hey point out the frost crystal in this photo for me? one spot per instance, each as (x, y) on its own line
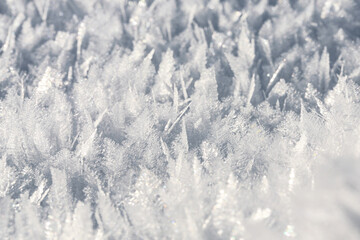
(192, 119)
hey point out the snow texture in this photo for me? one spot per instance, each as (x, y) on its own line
(180, 119)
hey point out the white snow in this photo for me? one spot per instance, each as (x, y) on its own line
(191, 119)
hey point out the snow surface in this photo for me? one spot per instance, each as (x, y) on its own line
(180, 119)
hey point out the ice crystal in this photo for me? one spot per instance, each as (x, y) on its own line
(155, 119)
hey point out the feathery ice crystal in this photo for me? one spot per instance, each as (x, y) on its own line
(191, 119)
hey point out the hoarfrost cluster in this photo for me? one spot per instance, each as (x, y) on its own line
(179, 119)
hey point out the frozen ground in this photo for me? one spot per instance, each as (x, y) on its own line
(180, 119)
